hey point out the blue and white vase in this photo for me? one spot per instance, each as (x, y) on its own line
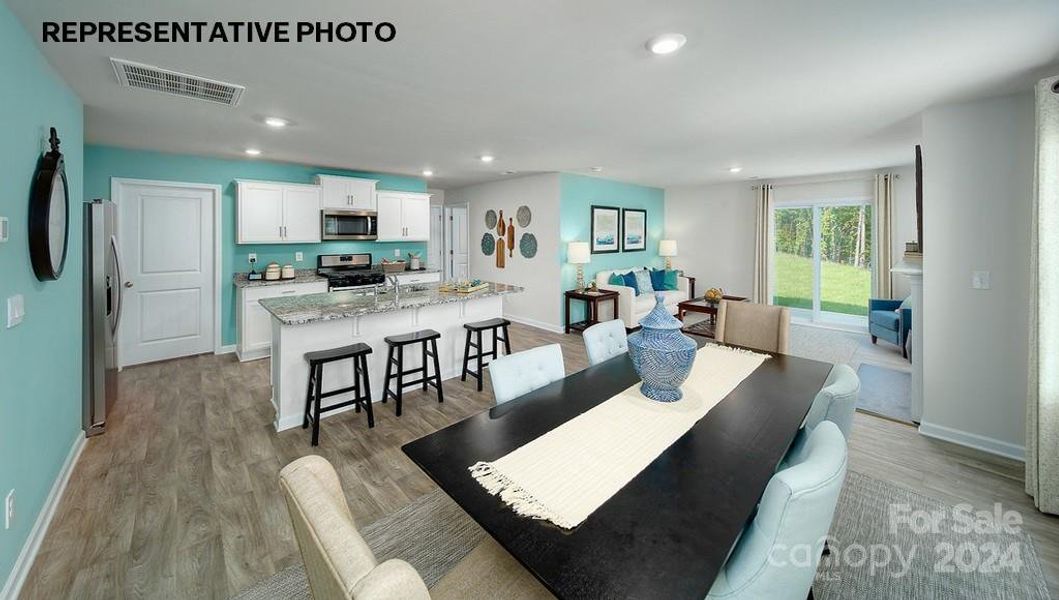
(661, 354)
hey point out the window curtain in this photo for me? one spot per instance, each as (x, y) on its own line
(1042, 406)
(763, 244)
(882, 253)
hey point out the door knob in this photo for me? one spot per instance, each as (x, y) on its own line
(128, 284)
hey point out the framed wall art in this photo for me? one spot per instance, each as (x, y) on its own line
(633, 230)
(605, 229)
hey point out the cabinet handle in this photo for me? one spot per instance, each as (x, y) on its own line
(280, 231)
(289, 292)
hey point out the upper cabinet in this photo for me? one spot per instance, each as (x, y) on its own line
(350, 193)
(403, 216)
(277, 213)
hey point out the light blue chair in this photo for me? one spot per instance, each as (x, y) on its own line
(606, 340)
(778, 553)
(836, 401)
(522, 372)
(890, 320)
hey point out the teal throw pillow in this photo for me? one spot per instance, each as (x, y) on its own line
(630, 281)
(671, 282)
(616, 279)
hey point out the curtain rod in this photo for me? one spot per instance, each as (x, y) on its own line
(840, 180)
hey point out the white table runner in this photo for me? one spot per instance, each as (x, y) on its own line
(569, 472)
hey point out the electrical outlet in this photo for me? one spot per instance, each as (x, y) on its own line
(4, 230)
(9, 509)
(980, 280)
(298, 257)
(252, 257)
(397, 253)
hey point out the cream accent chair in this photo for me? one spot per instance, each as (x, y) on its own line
(632, 308)
(758, 326)
(341, 566)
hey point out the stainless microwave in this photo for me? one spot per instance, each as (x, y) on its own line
(340, 224)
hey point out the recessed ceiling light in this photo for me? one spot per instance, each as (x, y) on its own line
(734, 169)
(597, 169)
(428, 173)
(487, 158)
(252, 151)
(276, 122)
(667, 43)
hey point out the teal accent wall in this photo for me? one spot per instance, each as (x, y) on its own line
(40, 359)
(577, 194)
(104, 162)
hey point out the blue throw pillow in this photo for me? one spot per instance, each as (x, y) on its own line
(643, 281)
(616, 279)
(630, 280)
(671, 282)
(658, 279)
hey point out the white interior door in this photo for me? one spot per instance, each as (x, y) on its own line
(456, 241)
(166, 234)
(435, 249)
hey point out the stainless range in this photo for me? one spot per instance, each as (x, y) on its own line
(349, 272)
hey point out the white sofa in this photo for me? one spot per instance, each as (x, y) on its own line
(632, 308)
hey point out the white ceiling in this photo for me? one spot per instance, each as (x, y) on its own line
(779, 87)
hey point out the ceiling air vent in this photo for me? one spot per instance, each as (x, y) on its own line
(137, 75)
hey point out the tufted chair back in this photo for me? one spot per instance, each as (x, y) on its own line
(836, 401)
(522, 372)
(605, 340)
(778, 553)
(339, 564)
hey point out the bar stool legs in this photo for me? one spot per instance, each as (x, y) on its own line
(476, 329)
(361, 387)
(395, 367)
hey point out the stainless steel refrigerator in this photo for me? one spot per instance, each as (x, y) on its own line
(102, 313)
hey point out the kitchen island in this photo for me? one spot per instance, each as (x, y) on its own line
(311, 322)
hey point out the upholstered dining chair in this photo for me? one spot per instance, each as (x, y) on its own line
(758, 326)
(605, 340)
(341, 566)
(779, 550)
(522, 372)
(836, 401)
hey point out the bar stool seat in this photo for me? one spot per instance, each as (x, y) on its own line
(428, 342)
(361, 387)
(476, 329)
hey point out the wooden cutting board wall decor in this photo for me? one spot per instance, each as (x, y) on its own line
(510, 238)
(500, 243)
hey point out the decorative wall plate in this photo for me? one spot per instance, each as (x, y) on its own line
(488, 244)
(524, 216)
(490, 219)
(527, 246)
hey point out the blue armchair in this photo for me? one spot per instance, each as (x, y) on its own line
(890, 320)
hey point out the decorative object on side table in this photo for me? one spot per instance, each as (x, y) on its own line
(714, 295)
(578, 253)
(668, 249)
(661, 354)
(633, 230)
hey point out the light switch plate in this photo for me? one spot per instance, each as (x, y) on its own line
(298, 257)
(980, 280)
(4, 229)
(9, 509)
(16, 309)
(397, 252)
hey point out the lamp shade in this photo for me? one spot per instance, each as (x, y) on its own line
(578, 253)
(667, 248)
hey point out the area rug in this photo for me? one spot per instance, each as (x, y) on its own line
(886, 392)
(433, 534)
(883, 545)
(820, 343)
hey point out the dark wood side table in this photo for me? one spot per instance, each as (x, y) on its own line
(706, 327)
(592, 300)
(691, 286)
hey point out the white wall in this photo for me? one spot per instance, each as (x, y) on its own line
(538, 305)
(714, 224)
(978, 174)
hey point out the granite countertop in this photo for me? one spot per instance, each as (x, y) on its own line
(300, 276)
(310, 308)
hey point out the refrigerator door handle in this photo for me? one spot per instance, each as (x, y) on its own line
(120, 296)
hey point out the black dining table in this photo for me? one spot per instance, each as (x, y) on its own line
(668, 532)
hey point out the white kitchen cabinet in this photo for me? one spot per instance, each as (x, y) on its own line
(277, 213)
(352, 193)
(255, 323)
(403, 216)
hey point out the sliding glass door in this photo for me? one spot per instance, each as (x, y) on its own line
(822, 260)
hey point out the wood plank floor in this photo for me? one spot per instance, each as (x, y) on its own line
(179, 499)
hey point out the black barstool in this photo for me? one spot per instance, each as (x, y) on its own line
(477, 328)
(361, 387)
(425, 338)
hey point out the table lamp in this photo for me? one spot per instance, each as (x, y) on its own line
(668, 249)
(578, 253)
